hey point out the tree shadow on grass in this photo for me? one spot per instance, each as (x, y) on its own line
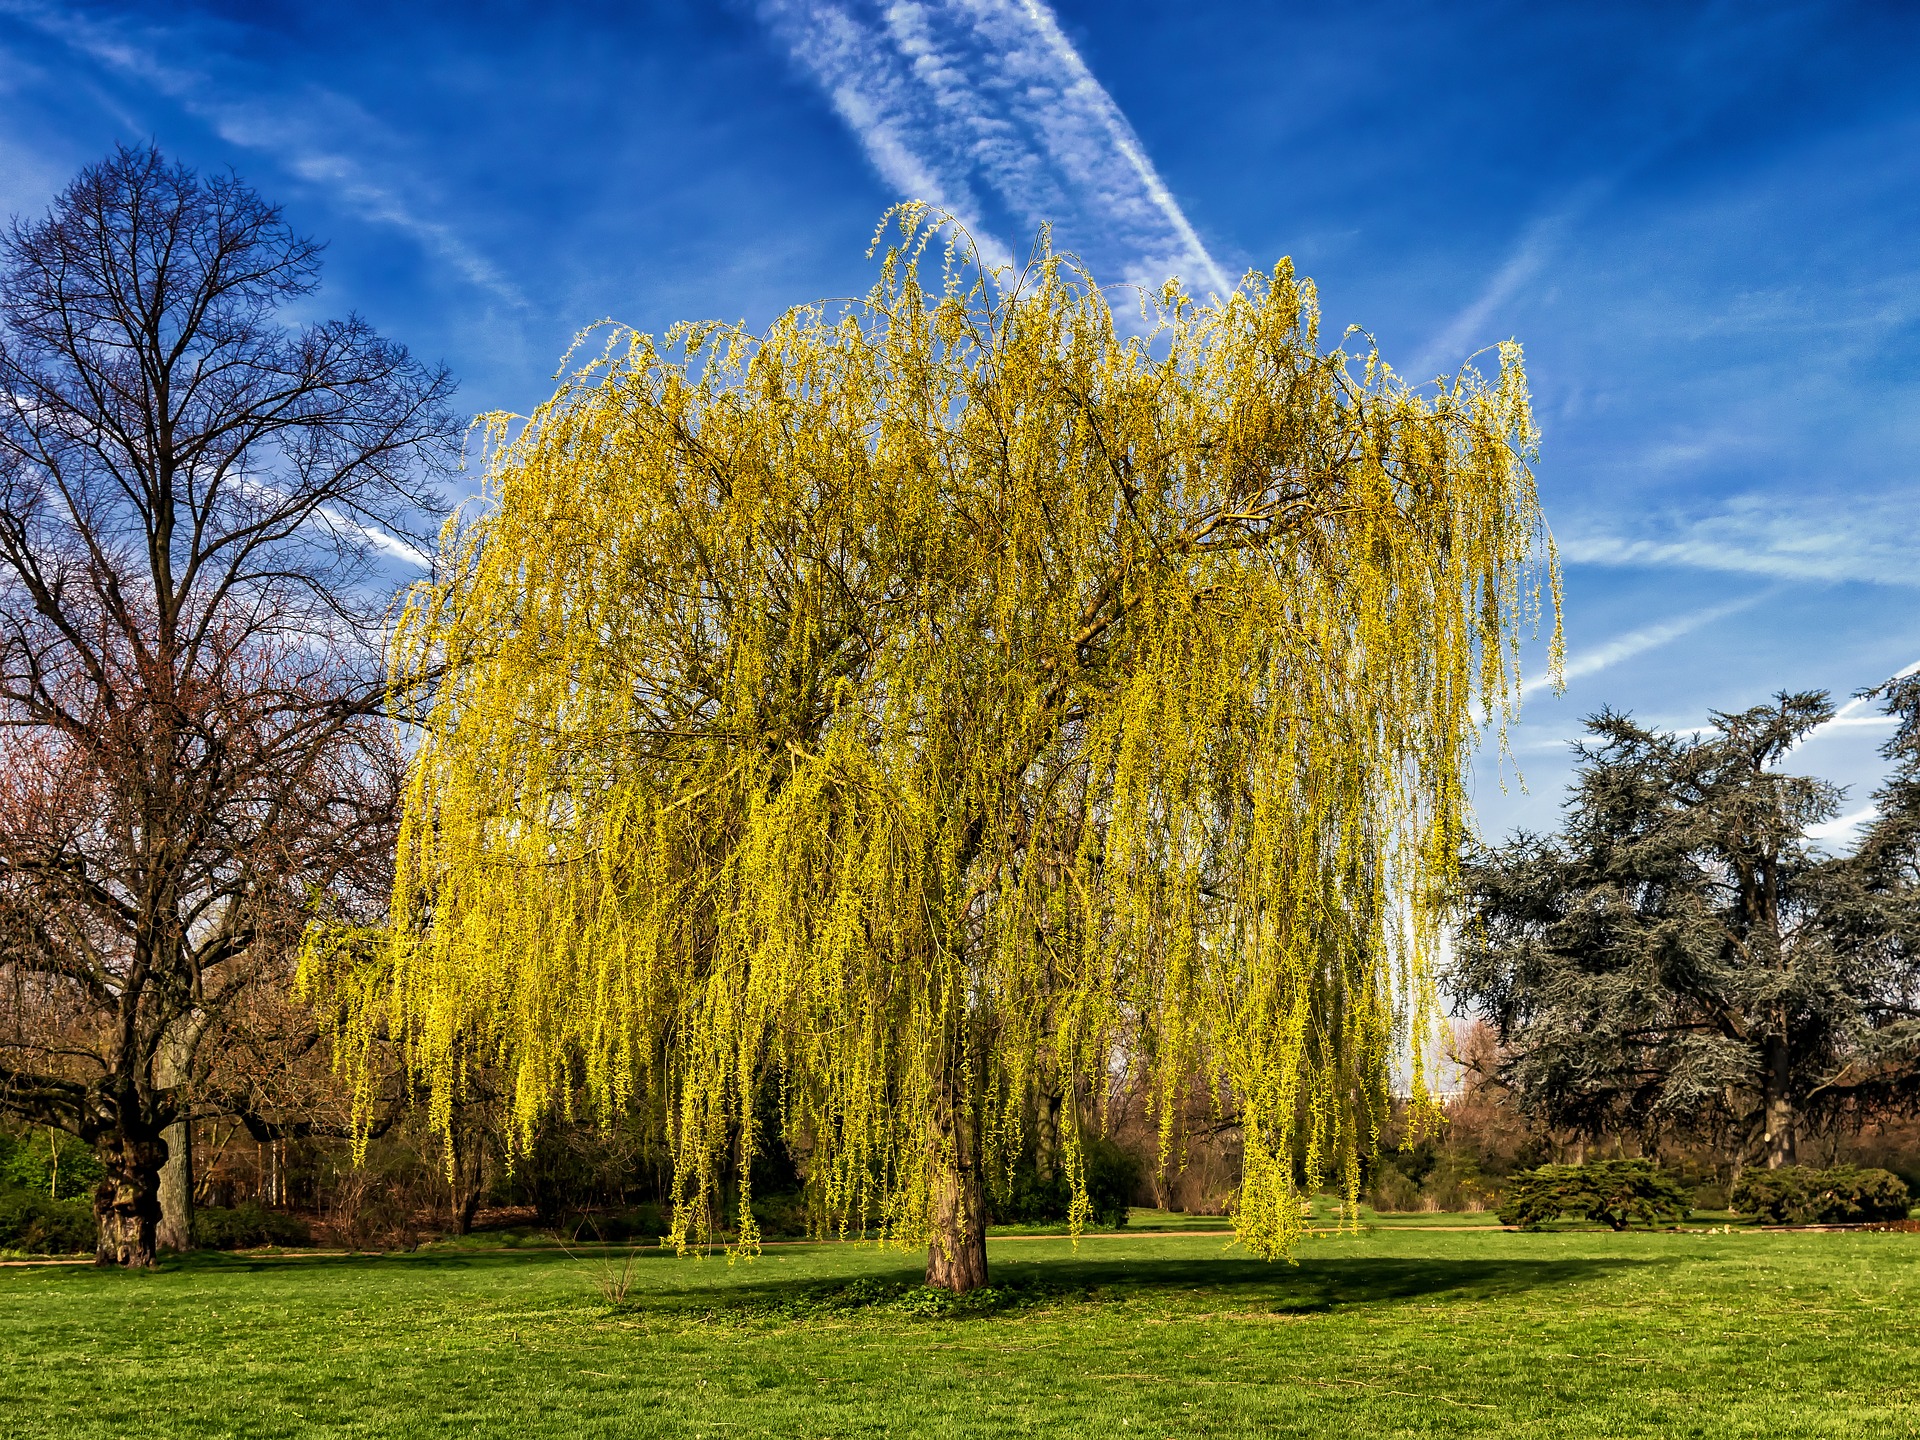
(237, 1261)
(1315, 1286)
(761, 1293)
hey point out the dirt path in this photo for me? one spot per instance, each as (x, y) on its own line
(556, 1251)
(596, 1247)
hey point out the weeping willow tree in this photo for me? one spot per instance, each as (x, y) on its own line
(849, 727)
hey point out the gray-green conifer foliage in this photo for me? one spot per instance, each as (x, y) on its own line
(1682, 960)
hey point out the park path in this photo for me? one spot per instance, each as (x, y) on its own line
(992, 1239)
(764, 1245)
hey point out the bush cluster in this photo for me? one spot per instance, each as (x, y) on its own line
(245, 1226)
(1033, 1198)
(38, 1224)
(1614, 1192)
(1802, 1195)
(46, 1162)
(645, 1223)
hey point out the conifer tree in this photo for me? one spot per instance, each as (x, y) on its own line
(1682, 959)
(943, 690)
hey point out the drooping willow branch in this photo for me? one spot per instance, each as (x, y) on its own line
(947, 691)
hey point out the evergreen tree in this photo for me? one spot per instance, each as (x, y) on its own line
(1681, 959)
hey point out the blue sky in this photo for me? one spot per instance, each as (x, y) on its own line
(1700, 220)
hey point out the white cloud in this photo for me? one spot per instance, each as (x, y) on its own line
(1858, 537)
(317, 135)
(1469, 330)
(1843, 826)
(967, 103)
(1848, 716)
(384, 541)
(1650, 637)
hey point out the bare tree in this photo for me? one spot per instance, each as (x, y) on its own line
(195, 498)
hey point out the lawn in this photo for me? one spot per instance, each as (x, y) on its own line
(1387, 1333)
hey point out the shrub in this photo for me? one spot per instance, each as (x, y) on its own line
(647, 1223)
(1113, 1174)
(1801, 1195)
(246, 1226)
(1778, 1197)
(573, 1169)
(1391, 1189)
(49, 1163)
(1031, 1198)
(1615, 1192)
(1427, 1177)
(42, 1225)
(782, 1215)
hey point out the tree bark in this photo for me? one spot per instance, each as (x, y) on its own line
(1046, 1136)
(1778, 1137)
(466, 1207)
(126, 1204)
(176, 1176)
(957, 1207)
(175, 1231)
(957, 1248)
(467, 1175)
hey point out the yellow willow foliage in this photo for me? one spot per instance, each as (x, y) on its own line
(947, 695)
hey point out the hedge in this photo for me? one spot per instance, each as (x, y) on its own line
(1614, 1192)
(1802, 1195)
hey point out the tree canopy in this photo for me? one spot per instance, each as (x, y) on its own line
(943, 690)
(1684, 959)
(191, 677)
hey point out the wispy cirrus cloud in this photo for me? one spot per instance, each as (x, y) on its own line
(320, 136)
(985, 109)
(1849, 715)
(1869, 538)
(1844, 827)
(1468, 330)
(1539, 241)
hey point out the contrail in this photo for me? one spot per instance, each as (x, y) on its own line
(1650, 637)
(985, 109)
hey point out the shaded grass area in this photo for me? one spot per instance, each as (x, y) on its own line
(1380, 1334)
(1323, 1214)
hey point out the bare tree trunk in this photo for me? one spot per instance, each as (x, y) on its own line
(957, 1213)
(1778, 1136)
(175, 1230)
(126, 1204)
(176, 1176)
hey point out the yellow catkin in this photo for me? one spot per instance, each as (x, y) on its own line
(946, 694)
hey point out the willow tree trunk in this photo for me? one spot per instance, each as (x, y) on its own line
(1046, 1130)
(957, 1249)
(957, 1212)
(466, 1176)
(126, 1203)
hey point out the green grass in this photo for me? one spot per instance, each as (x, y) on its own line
(1388, 1333)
